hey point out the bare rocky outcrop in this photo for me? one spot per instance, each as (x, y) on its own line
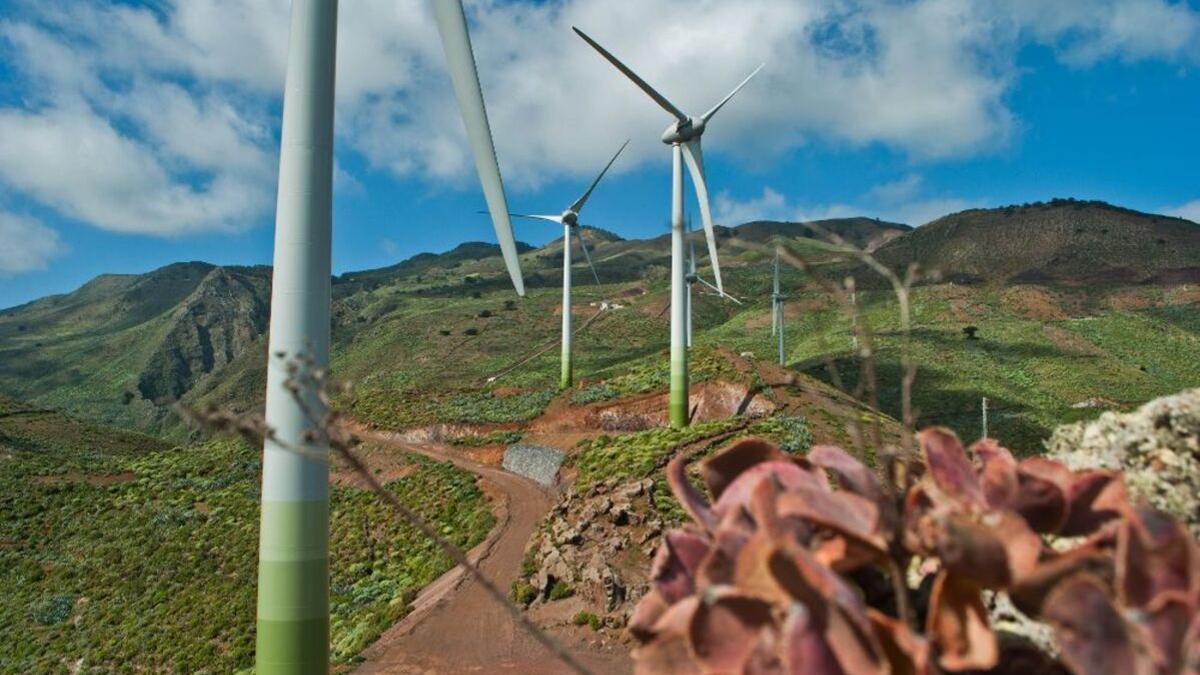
(1157, 447)
(716, 400)
(225, 313)
(596, 546)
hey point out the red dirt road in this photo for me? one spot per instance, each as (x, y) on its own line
(456, 627)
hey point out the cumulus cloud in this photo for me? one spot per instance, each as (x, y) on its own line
(26, 245)
(79, 164)
(901, 201)
(176, 105)
(1189, 211)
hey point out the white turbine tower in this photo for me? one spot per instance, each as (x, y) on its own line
(569, 219)
(683, 135)
(293, 575)
(777, 299)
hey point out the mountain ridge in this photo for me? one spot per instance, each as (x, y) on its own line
(132, 345)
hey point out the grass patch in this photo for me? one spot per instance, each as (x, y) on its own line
(391, 409)
(494, 438)
(790, 433)
(637, 455)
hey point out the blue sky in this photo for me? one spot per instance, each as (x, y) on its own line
(134, 135)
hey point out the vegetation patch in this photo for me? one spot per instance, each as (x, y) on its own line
(499, 437)
(390, 409)
(588, 619)
(639, 454)
(160, 573)
(791, 433)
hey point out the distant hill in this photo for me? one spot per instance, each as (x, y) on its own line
(1064, 241)
(867, 233)
(122, 346)
(465, 252)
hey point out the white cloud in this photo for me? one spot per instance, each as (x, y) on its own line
(770, 205)
(1189, 211)
(897, 190)
(26, 245)
(82, 166)
(1086, 32)
(900, 201)
(179, 102)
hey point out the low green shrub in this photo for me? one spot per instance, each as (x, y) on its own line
(790, 432)
(561, 590)
(588, 619)
(594, 394)
(522, 592)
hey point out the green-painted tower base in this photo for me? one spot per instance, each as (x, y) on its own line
(679, 395)
(565, 380)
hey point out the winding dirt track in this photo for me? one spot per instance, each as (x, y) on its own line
(455, 626)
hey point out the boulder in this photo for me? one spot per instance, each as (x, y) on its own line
(536, 462)
(1157, 447)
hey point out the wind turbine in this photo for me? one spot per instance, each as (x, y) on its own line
(293, 571)
(569, 219)
(683, 135)
(777, 299)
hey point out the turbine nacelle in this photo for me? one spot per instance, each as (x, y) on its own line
(570, 218)
(682, 132)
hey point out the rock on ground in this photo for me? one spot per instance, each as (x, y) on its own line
(1157, 447)
(536, 462)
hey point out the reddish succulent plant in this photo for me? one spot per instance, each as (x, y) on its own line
(797, 565)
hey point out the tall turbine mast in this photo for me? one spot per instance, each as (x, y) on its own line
(683, 135)
(293, 574)
(777, 302)
(293, 567)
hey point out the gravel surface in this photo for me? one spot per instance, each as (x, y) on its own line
(536, 462)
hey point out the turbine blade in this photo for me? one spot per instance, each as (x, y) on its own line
(713, 111)
(695, 161)
(552, 219)
(642, 84)
(691, 257)
(721, 293)
(774, 314)
(586, 255)
(460, 62)
(578, 205)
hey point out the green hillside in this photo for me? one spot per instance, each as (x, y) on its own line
(421, 339)
(120, 553)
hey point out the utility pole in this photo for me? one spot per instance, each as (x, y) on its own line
(854, 318)
(984, 408)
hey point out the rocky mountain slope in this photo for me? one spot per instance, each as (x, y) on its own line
(123, 347)
(1062, 241)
